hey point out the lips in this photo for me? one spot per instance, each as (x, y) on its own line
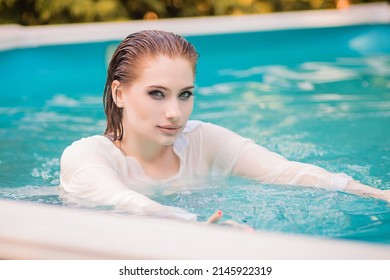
(169, 129)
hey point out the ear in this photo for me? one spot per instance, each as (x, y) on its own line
(117, 95)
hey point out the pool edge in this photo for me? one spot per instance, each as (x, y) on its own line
(16, 36)
(53, 232)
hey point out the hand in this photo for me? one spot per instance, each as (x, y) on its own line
(385, 195)
(215, 217)
(358, 188)
(218, 215)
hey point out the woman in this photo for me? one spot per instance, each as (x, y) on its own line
(149, 140)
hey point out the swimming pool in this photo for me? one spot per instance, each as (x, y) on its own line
(319, 95)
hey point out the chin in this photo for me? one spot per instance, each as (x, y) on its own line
(168, 141)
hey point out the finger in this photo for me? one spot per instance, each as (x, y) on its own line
(215, 217)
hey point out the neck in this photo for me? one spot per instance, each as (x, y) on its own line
(143, 150)
(157, 161)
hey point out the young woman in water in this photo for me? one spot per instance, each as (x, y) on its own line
(149, 140)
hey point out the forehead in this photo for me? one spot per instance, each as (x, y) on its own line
(164, 67)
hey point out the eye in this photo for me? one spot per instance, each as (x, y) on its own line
(185, 95)
(156, 94)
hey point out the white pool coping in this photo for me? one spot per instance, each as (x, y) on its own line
(36, 231)
(16, 36)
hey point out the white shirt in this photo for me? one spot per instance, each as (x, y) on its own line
(93, 169)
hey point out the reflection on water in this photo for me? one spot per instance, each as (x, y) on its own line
(320, 72)
(334, 114)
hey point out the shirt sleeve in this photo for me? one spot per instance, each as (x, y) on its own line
(88, 175)
(240, 156)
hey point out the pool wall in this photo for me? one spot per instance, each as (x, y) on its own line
(36, 231)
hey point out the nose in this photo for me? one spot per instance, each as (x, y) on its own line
(173, 112)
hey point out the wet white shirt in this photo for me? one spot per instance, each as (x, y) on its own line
(93, 169)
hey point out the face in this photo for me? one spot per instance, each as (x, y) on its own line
(157, 106)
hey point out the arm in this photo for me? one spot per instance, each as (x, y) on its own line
(240, 156)
(89, 177)
(269, 167)
(100, 186)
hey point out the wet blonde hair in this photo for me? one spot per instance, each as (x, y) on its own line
(127, 61)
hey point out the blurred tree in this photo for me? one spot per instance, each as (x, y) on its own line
(32, 12)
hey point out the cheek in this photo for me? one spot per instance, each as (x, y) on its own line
(138, 109)
(188, 108)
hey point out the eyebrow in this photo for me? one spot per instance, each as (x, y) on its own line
(166, 89)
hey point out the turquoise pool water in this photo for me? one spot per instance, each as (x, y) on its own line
(320, 96)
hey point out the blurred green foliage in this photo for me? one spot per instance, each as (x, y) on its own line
(33, 12)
